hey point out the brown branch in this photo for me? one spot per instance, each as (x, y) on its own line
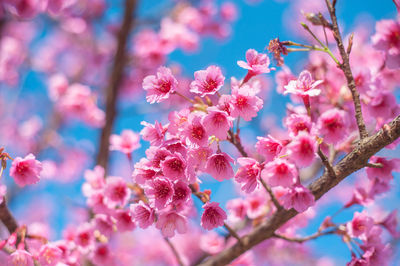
(304, 239)
(115, 82)
(326, 163)
(173, 249)
(345, 67)
(352, 162)
(237, 143)
(7, 218)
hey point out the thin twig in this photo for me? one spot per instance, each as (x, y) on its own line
(326, 163)
(7, 218)
(304, 239)
(114, 82)
(174, 250)
(374, 165)
(345, 67)
(271, 195)
(236, 142)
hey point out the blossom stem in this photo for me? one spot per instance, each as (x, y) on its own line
(271, 195)
(304, 239)
(237, 143)
(326, 163)
(325, 48)
(374, 165)
(345, 67)
(184, 97)
(174, 250)
(233, 232)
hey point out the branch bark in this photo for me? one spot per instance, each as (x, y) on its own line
(352, 162)
(345, 67)
(7, 218)
(115, 82)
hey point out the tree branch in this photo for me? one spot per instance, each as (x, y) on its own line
(352, 162)
(7, 218)
(345, 67)
(304, 239)
(271, 194)
(115, 82)
(173, 249)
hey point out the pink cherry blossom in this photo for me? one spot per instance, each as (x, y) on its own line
(229, 11)
(213, 216)
(26, 171)
(219, 166)
(161, 86)
(144, 171)
(84, 237)
(160, 192)
(153, 133)
(303, 149)
(297, 123)
(212, 243)
(248, 174)
(245, 103)
(298, 198)
(217, 123)
(384, 172)
(360, 225)
(127, 142)
(181, 193)
(390, 223)
(237, 209)
(124, 221)
(102, 255)
(104, 224)
(58, 85)
(20, 257)
(49, 255)
(195, 131)
(174, 166)
(280, 172)
(256, 64)
(269, 147)
(303, 86)
(387, 39)
(332, 125)
(171, 221)
(198, 157)
(207, 82)
(116, 192)
(142, 214)
(26, 9)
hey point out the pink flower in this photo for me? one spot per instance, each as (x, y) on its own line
(197, 157)
(58, 85)
(229, 11)
(50, 255)
(25, 9)
(298, 198)
(302, 149)
(195, 131)
(245, 103)
(116, 192)
(170, 221)
(126, 143)
(153, 133)
(385, 172)
(161, 86)
(303, 86)
(26, 171)
(124, 220)
(174, 166)
(387, 39)
(143, 171)
(217, 123)
(142, 214)
(104, 224)
(297, 123)
(268, 147)
(360, 225)
(280, 172)
(218, 166)
(390, 223)
(333, 126)
(213, 216)
(382, 104)
(20, 257)
(248, 174)
(256, 64)
(212, 243)
(102, 255)
(84, 237)
(207, 82)
(237, 208)
(160, 192)
(181, 193)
